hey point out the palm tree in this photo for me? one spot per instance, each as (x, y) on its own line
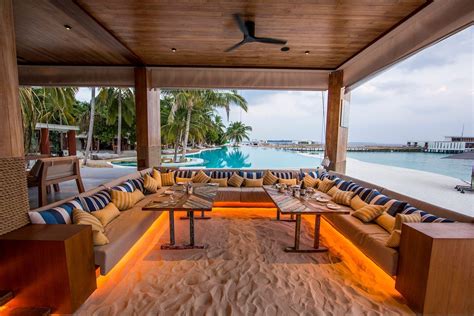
(91, 126)
(237, 132)
(193, 99)
(117, 104)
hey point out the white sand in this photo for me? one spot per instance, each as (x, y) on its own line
(426, 186)
(243, 272)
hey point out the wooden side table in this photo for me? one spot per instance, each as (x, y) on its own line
(48, 266)
(436, 267)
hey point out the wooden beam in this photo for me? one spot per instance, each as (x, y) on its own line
(336, 135)
(239, 78)
(78, 76)
(71, 142)
(95, 29)
(147, 103)
(44, 142)
(437, 21)
(14, 195)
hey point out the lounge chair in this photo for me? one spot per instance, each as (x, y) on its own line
(463, 188)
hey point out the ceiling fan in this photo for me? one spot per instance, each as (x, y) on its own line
(248, 30)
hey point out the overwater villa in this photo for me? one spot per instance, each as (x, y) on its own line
(165, 241)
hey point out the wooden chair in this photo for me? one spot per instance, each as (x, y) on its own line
(52, 171)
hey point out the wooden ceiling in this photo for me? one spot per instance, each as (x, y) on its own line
(123, 32)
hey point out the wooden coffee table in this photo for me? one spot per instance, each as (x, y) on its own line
(200, 201)
(290, 205)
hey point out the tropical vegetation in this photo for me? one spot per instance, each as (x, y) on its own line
(237, 132)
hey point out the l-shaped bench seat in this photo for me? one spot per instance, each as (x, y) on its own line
(124, 231)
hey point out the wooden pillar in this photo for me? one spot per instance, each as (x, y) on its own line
(13, 195)
(44, 141)
(71, 142)
(147, 103)
(336, 133)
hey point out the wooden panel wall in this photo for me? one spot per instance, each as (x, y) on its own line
(13, 192)
(147, 103)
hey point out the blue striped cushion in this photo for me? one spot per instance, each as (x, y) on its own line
(126, 186)
(313, 174)
(324, 175)
(184, 173)
(343, 185)
(372, 196)
(362, 192)
(251, 174)
(221, 174)
(395, 206)
(97, 201)
(283, 174)
(57, 215)
(138, 183)
(425, 217)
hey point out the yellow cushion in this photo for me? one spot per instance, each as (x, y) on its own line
(235, 180)
(386, 221)
(184, 180)
(342, 197)
(167, 179)
(325, 185)
(406, 218)
(251, 183)
(287, 181)
(99, 239)
(221, 182)
(157, 176)
(310, 182)
(150, 184)
(201, 177)
(81, 217)
(357, 203)
(332, 191)
(369, 212)
(107, 214)
(394, 240)
(125, 200)
(269, 178)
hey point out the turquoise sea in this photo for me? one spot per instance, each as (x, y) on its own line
(257, 157)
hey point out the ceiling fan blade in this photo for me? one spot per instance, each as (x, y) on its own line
(236, 46)
(241, 24)
(268, 40)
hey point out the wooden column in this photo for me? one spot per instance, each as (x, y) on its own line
(71, 142)
(13, 193)
(147, 103)
(44, 142)
(336, 135)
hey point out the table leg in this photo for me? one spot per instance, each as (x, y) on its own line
(296, 247)
(191, 229)
(199, 217)
(278, 217)
(191, 245)
(172, 242)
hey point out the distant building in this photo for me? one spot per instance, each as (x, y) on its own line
(280, 142)
(451, 144)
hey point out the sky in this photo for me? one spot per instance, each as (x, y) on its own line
(425, 97)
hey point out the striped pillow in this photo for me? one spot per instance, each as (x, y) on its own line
(288, 181)
(393, 206)
(201, 177)
(251, 174)
(342, 197)
(357, 203)
(325, 185)
(61, 214)
(269, 178)
(310, 182)
(138, 183)
(252, 183)
(235, 180)
(283, 174)
(425, 217)
(96, 202)
(323, 175)
(157, 176)
(343, 185)
(126, 186)
(394, 240)
(183, 180)
(167, 179)
(369, 212)
(184, 173)
(312, 174)
(332, 191)
(85, 218)
(125, 200)
(221, 174)
(386, 221)
(406, 218)
(150, 184)
(221, 182)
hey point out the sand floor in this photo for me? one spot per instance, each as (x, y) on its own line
(244, 271)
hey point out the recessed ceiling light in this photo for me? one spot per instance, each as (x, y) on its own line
(306, 52)
(173, 50)
(67, 27)
(285, 49)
